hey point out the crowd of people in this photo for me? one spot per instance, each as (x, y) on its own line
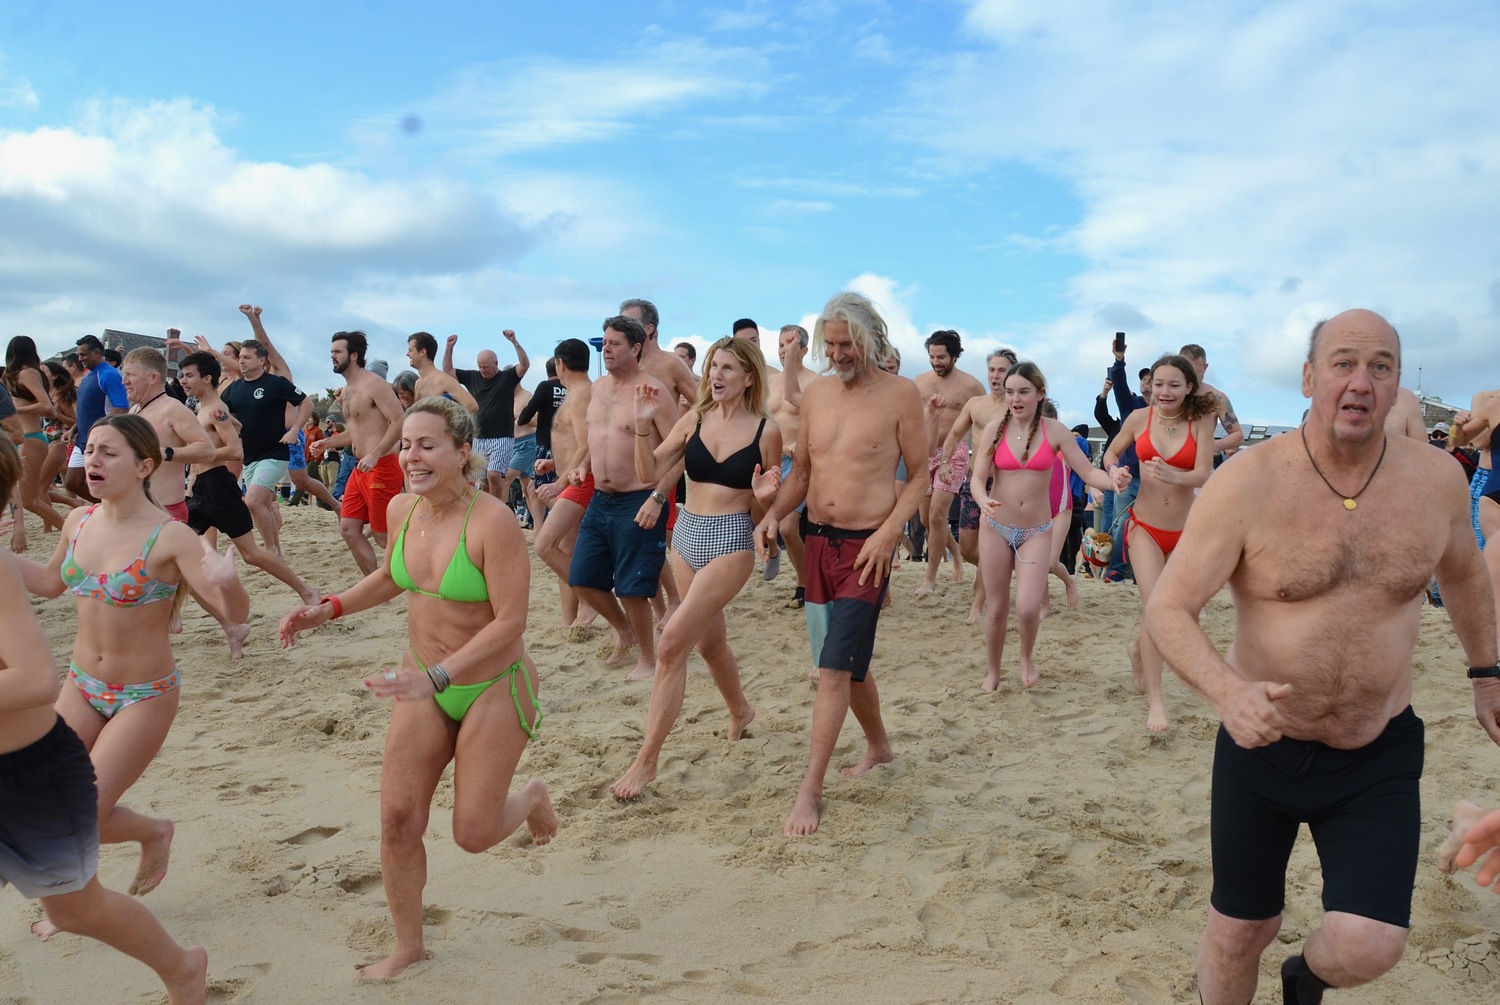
(716, 472)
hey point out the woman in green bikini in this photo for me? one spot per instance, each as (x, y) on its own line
(465, 690)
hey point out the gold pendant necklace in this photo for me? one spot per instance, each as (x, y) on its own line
(1349, 502)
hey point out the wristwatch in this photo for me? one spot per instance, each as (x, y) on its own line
(167, 453)
(1476, 672)
(660, 499)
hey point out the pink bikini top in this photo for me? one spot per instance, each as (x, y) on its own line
(1043, 459)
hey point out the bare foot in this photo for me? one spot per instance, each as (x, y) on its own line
(1465, 815)
(644, 670)
(991, 682)
(1137, 675)
(958, 571)
(976, 611)
(1156, 719)
(44, 929)
(392, 966)
(192, 988)
(738, 722)
(927, 587)
(633, 783)
(1046, 610)
(614, 653)
(804, 818)
(1071, 586)
(1029, 673)
(236, 635)
(813, 676)
(543, 820)
(871, 759)
(154, 855)
(586, 616)
(311, 597)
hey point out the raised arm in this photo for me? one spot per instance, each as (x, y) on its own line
(275, 362)
(651, 462)
(1107, 422)
(523, 362)
(448, 345)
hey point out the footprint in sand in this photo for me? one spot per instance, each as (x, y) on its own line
(311, 836)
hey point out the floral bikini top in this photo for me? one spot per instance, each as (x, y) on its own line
(125, 588)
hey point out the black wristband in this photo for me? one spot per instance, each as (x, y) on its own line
(167, 453)
(1490, 671)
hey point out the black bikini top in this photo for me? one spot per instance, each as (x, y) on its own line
(734, 471)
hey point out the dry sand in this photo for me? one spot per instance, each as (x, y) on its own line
(1023, 847)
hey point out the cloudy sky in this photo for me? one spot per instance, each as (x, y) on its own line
(1034, 175)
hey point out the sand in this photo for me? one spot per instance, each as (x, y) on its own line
(1028, 847)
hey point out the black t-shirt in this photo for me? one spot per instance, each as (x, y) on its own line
(260, 405)
(544, 404)
(497, 400)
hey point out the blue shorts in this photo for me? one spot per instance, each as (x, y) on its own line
(612, 553)
(523, 456)
(49, 826)
(786, 469)
(297, 453)
(551, 476)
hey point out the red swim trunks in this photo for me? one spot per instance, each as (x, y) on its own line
(580, 494)
(177, 511)
(367, 493)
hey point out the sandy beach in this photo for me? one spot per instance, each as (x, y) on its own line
(1028, 847)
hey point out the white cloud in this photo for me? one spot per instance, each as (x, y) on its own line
(15, 89)
(1244, 169)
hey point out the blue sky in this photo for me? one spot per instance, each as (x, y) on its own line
(1034, 175)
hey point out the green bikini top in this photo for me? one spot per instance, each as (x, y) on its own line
(462, 580)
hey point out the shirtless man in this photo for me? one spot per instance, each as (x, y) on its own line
(1406, 416)
(1327, 546)
(668, 368)
(216, 500)
(182, 440)
(372, 426)
(784, 401)
(976, 414)
(856, 424)
(945, 391)
(421, 350)
(622, 539)
(1234, 433)
(570, 445)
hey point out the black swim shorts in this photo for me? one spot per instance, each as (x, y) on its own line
(1362, 806)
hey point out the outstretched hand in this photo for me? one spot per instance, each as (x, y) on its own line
(765, 537)
(218, 569)
(765, 483)
(250, 312)
(300, 619)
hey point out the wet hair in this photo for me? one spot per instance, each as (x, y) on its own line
(254, 347)
(1030, 372)
(751, 359)
(61, 383)
(649, 314)
(866, 327)
(948, 339)
(149, 359)
(1196, 404)
(425, 342)
(801, 333)
(633, 330)
(358, 344)
(20, 355)
(692, 352)
(574, 354)
(10, 467)
(141, 437)
(207, 365)
(460, 426)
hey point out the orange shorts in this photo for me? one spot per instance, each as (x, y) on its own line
(367, 493)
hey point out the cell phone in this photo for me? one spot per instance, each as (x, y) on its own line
(1119, 341)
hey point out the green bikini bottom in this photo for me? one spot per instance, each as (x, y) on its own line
(455, 699)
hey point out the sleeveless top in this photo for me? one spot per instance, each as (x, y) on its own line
(1039, 461)
(126, 588)
(734, 471)
(462, 580)
(1185, 457)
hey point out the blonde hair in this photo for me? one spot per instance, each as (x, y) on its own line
(148, 359)
(460, 426)
(749, 356)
